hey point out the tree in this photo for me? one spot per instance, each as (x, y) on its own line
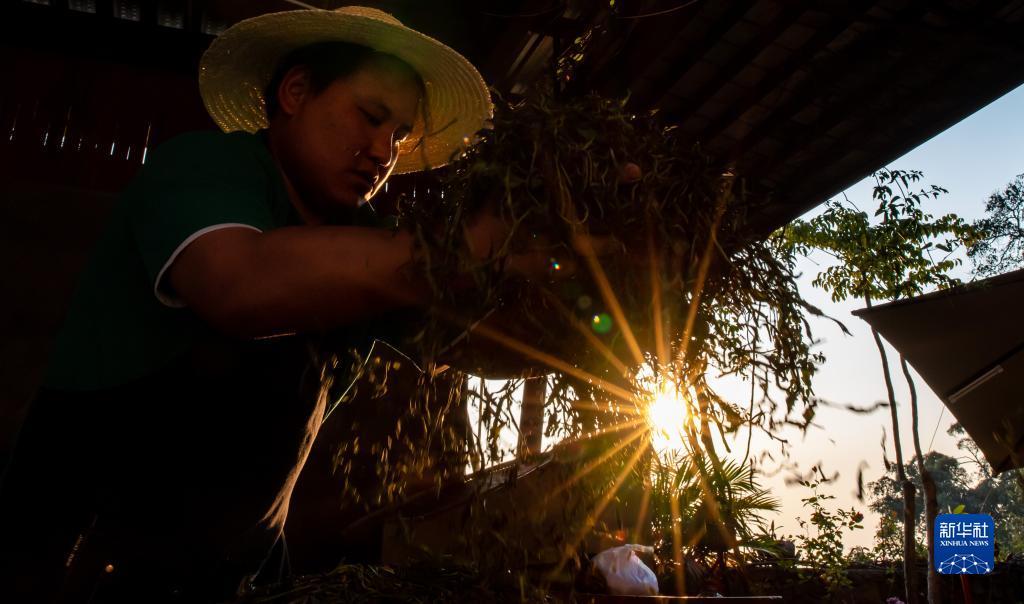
(979, 492)
(887, 260)
(823, 547)
(700, 513)
(1000, 495)
(889, 537)
(1001, 246)
(952, 482)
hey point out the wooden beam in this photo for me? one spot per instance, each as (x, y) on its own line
(868, 48)
(105, 8)
(194, 10)
(684, 53)
(822, 38)
(148, 13)
(894, 75)
(640, 40)
(999, 69)
(531, 416)
(525, 56)
(100, 36)
(613, 35)
(878, 66)
(769, 33)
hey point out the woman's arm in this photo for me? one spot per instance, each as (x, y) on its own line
(252, 284)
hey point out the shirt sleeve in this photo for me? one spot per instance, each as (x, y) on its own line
(192, 185)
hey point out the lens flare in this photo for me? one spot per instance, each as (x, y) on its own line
(602, 323)
(666, 416)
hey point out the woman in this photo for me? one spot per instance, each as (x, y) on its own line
(159, 457)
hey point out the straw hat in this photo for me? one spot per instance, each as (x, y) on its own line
(240, 62)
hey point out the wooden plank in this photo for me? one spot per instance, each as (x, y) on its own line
(642, 39)
(531, 416)
(867, 50)
(770, 32)
(877, 65)
(682, 54)
(780, 74)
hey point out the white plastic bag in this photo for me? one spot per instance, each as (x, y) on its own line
(625, 573)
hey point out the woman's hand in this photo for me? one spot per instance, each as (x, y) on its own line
(487, 233)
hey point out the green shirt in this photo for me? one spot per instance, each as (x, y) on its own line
(123, 323)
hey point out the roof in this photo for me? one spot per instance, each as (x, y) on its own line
(1007, 282)
(805, 98)
(967, 343)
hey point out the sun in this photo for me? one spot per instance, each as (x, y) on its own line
(666, 411)
(666, 416)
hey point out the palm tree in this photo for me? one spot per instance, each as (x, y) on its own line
(706, 512)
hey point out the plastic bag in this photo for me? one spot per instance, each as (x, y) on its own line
(625, 573)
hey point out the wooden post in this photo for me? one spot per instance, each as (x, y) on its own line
(531, 417)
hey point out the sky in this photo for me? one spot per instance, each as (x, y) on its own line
(972, 159)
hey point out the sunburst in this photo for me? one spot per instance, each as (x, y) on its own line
(661, 400)
(666, 415)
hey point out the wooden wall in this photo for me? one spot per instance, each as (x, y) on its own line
(80, 106)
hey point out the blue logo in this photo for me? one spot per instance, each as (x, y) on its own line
(964, 544)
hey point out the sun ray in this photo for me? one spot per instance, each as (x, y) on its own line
(641, 517)
(597, 461)
(584, 247)
(705, 264)
(677, 544)
(660, 344)
(592, 406)
(666, 406)
(552, 361)
(591, 519)
(614, 428)
(594, 341)
(665, 356)
(707, 494)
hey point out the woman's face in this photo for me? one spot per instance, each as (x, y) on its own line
(339, 146)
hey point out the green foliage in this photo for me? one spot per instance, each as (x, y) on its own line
(888, 256)
(700, 290)
(1000, 495)
(891, 254)
(1000, 247)
(972, 492)
(860, 556)
(888, 547)
(718, 509)
(822, 541)
(951, 482)
(703, 516)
